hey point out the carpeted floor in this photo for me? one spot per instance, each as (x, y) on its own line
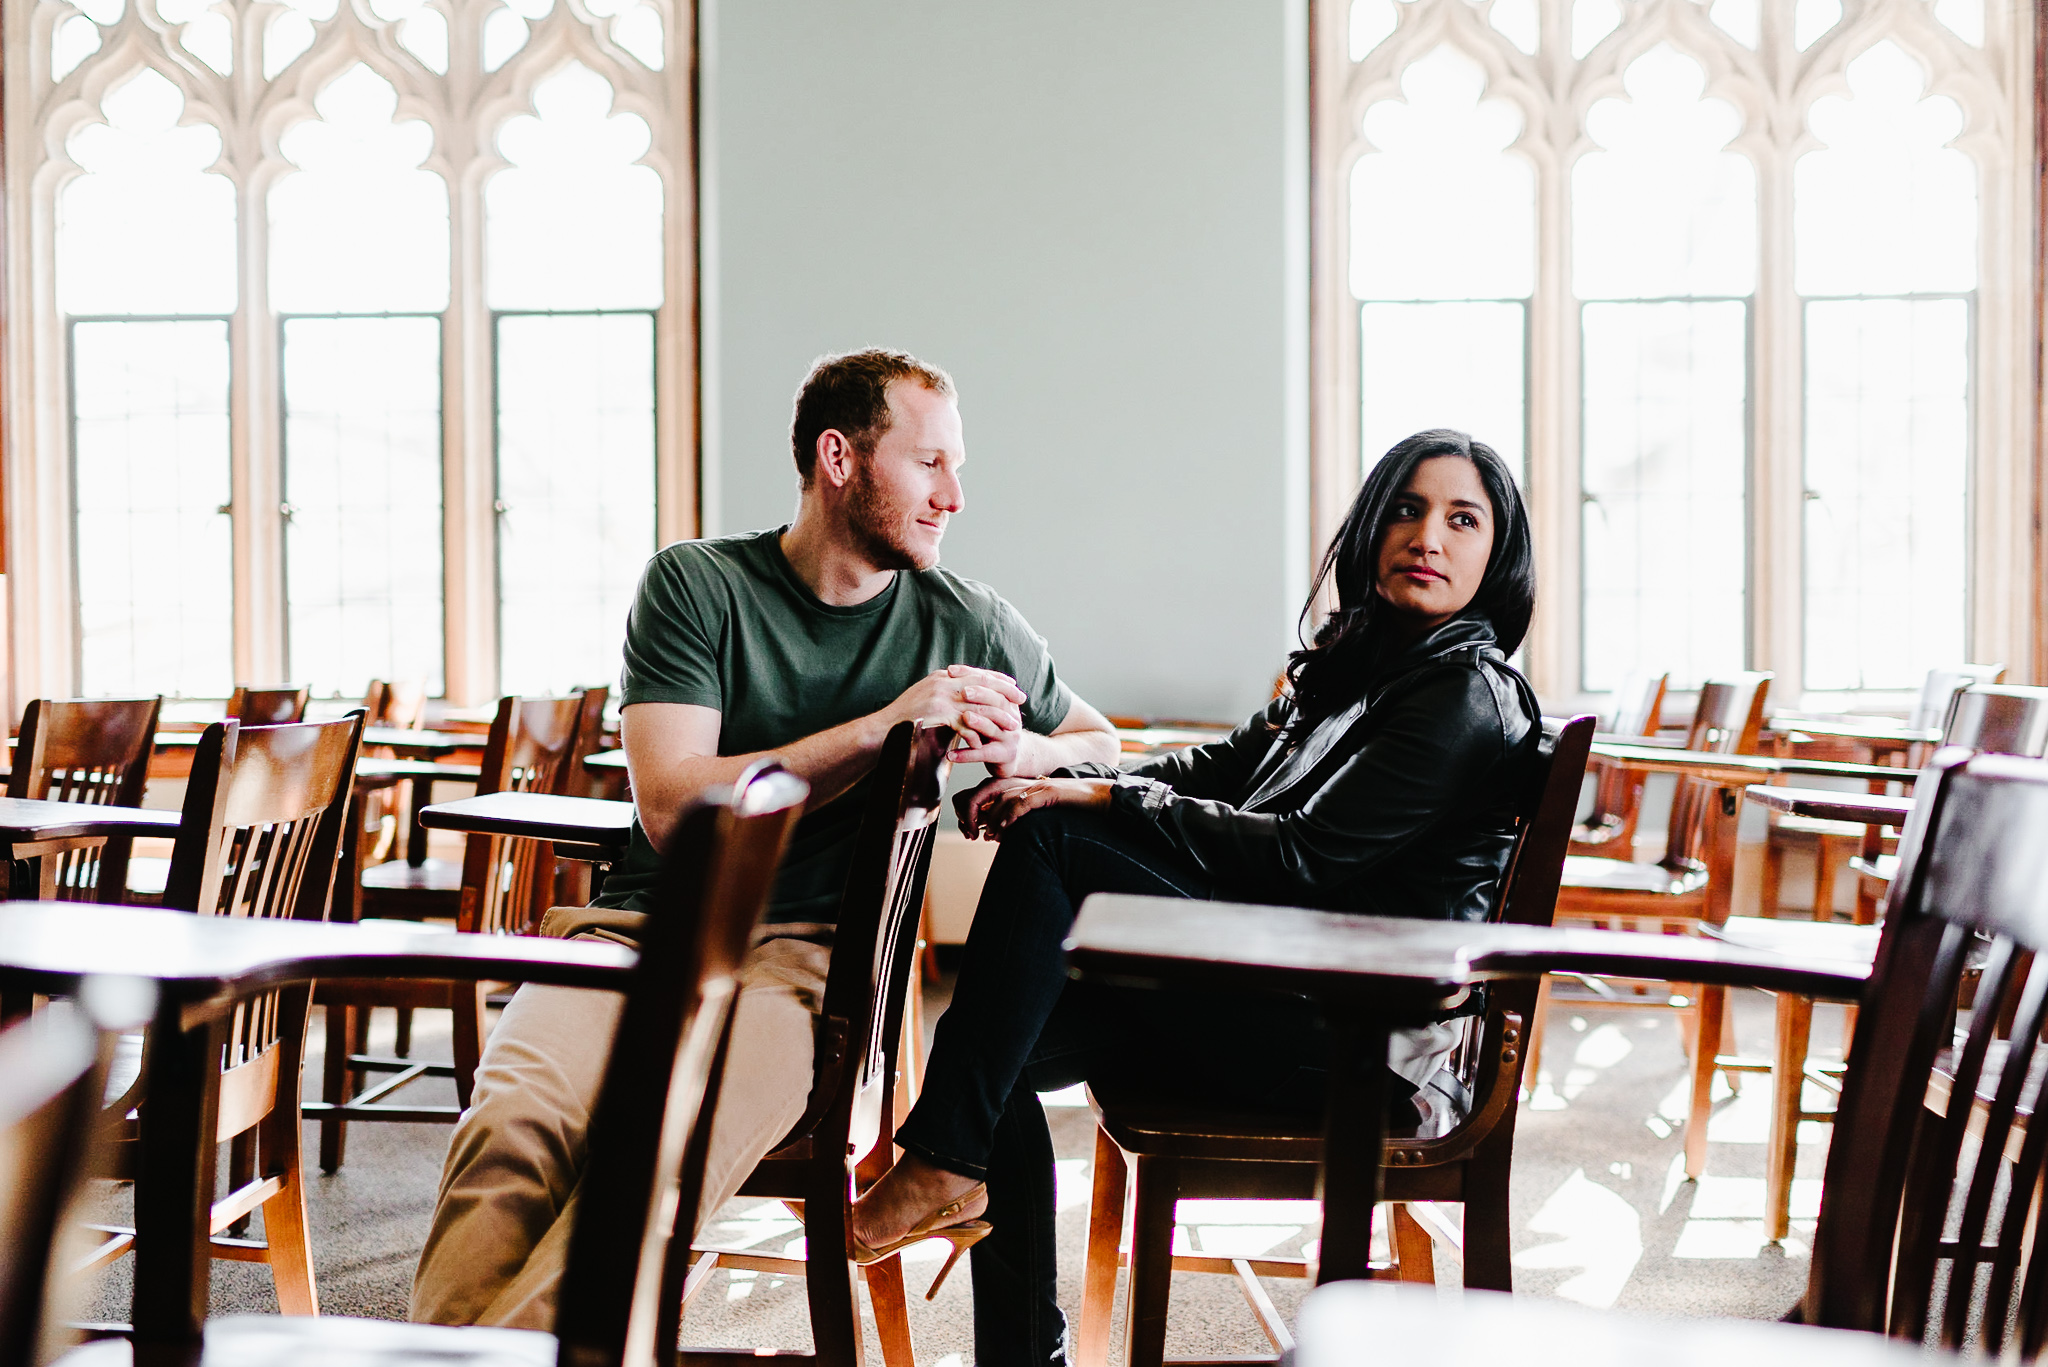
(1603, 1215)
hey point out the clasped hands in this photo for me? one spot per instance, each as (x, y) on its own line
(986, 708)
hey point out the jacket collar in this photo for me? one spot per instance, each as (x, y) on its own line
(1284, 766)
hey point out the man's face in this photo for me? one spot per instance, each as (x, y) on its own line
(900, 497)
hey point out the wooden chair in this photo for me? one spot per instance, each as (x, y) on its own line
(92, 750)
(1984, 718)
(1609, 830)
(575, 880)
(721, 863)
(1928, 1228)
(1458, 1148)
(841, 1144)
(503, 888)
(52, 1070)
(1689, 884)
(269, 706)
(259, 837)
(1833, 842)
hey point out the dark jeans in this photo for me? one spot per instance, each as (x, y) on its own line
(1018, 1026)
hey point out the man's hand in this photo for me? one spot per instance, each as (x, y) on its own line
(989, 810)
(984, 706)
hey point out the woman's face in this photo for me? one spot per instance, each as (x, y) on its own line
(1438, 538)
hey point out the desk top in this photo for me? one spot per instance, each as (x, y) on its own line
(1396, 968)
(536, 816)
(28, 818)
(1870, 809)
(393, 737)
(1880, 730)
(606, 761)
(49, 944)
(1407, 1324)
(395, 769)
(1740, 769)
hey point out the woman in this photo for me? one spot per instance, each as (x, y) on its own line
(1380, 784)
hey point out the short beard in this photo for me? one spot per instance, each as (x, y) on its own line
(873, 525)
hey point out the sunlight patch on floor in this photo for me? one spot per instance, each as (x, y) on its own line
(1597, 1231)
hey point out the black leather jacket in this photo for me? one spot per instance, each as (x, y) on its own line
(1397, 806)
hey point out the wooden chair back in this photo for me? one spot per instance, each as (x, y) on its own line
(1927, 1224)
(2000, 719)
(405, 705)
(508, 884)
(715, 882)
(52, 1069)
(1638, 711)
(1727, 720)
(577, 781)
(1528, 887)
(91, 750)
(874, 940)
(259, 837)
(277, 705)
(1938, 692)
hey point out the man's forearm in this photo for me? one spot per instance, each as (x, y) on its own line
(830, 761)
(1038, 754)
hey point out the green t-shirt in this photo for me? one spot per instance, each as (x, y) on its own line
(728, 624)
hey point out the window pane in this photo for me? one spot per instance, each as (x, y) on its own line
(362, 445)
(359, 228)
(1441, 147)
(1663, 564)
(1887, 453)
(155, 564)
(576, 475)
(1663, 210)
(146, 229)
(575, 223)
(1442, 365)
(1889, 207)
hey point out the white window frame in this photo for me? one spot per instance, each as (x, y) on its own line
(1772, 88)
(464, 110)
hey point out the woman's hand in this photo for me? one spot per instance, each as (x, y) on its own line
(989, 809)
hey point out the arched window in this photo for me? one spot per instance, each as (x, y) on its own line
(367, 357)
(1767, 383)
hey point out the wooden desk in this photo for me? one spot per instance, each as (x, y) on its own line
(33, 827)
(586, 828)
(1372, 975)
(422, 775)
(1869, 809)
(1882, 732)
(1407, 1325)
(202, 966)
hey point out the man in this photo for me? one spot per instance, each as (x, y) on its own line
(810, 643)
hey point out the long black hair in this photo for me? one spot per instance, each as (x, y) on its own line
(1328, 674)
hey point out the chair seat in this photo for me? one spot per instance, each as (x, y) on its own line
(435, 875)
(1817, 944)
(1815, 826)
(1884, 867)
(1146, 1121)
(1613, 875)
(265, 1340)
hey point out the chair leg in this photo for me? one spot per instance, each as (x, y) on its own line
(892, 1312)
(291, 1246)
(1105, 1243)
(829, 1277)
(1158, 1191)
(1539, 1021)
(1788, 1081)
(1713, 1002)
(1827, 859)
(337, 1085)
(1774, 873)
(403, 1046)
(1489, 1249)
(466, 1003)
(1414, 1250)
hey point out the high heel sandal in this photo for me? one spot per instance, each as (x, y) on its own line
(962, 1236)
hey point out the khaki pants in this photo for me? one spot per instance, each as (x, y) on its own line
(508, 1194)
